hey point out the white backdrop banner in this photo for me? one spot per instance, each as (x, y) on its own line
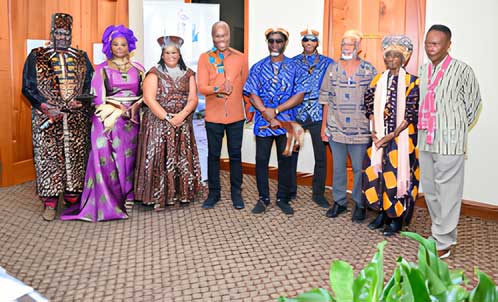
(191, 21)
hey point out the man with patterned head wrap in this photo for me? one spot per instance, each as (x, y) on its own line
(391, 173)
(274, 88)
(345, 125)
(309, 112)
(450, 102)
(54, 79)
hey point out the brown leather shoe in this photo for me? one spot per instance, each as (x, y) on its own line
(48, 213)
(442, 254)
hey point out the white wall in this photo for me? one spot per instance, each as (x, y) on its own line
(136, 23)
(475, 41)
(294, 17)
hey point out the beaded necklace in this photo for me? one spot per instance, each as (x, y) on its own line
(315, 62)
(122, 68)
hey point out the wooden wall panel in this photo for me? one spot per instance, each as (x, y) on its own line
(415, 29)
(30, 19)
(5, 91)
(375, 18)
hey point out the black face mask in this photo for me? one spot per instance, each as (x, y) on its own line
(61, 38)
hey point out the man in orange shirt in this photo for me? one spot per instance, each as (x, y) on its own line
(221, 74)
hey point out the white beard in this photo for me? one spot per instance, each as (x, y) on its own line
(347, 57)
(274, 53)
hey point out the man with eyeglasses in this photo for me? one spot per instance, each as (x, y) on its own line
(221, 73)
(309, 112)
(274, 89)
(345, 125)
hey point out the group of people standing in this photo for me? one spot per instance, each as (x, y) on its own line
(95, 142)
(383, 121)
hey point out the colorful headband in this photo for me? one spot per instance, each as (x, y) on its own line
(353, 33)
(399, 43)
(277, 30)
(61, 21)
(166, 41)
(309, 32)
(112, 32)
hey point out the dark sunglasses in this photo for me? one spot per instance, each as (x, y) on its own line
(305, 39)
(278, 41)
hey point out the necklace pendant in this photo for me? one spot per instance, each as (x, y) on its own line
(124, 77)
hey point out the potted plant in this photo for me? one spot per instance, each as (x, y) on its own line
(429, 280)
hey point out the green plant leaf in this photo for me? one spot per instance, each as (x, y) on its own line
(417, 281)
(436, 286)
(430, 247)
(429, 244)
(454, 293)
(314, 295)
(406, 294)
(458, 277)
(400, 290)
(387, 288)
(486, 290)
(341, 280)
(422, 260)
(368, 285)
(393, 295)
(444, 272)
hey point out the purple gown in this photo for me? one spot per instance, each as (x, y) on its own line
(111, 162)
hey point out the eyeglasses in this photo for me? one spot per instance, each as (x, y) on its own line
(278, 41)
(306, 39)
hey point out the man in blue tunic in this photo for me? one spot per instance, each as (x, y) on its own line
(312, 67)
(275, 89)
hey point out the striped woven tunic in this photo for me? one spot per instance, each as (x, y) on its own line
(457, 102)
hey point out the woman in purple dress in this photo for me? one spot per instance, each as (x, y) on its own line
(168, 167)
(108, 191)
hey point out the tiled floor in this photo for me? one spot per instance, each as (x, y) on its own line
(191, 254)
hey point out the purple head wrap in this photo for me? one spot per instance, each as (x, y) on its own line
(112, 32)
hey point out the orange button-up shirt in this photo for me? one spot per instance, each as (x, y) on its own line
(226, 109)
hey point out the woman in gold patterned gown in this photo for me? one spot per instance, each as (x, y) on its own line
(167, 168)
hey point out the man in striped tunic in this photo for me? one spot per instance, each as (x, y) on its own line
(450, 101)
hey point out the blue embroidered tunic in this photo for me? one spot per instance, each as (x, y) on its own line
(274, 83)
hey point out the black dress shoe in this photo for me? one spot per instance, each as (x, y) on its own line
(261, 205)
(285, 207)
(321, 201)
(238, 202)
(336, 210)
(378, 222)
(210, 202)
(358, 214)
(293, 196)
(393, 228)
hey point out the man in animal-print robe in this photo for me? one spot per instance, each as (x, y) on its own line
(54, 79)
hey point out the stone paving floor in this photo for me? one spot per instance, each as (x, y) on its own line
(191, 254)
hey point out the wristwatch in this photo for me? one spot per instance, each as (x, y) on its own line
(276, 111)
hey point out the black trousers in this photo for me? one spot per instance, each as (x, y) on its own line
(320, 171)
(215, 133)
(263, 152)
